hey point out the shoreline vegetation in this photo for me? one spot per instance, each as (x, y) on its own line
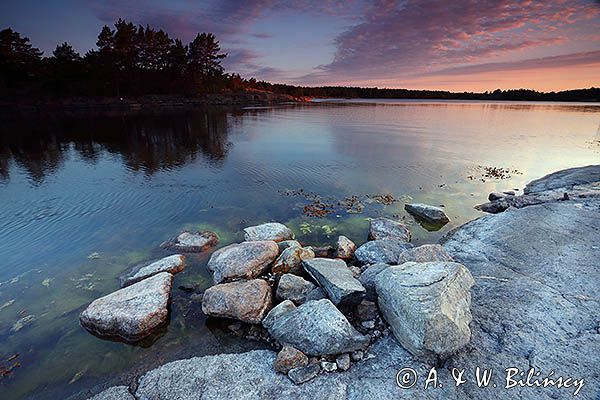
(136, 67)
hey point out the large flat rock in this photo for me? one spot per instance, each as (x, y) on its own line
(567, 178)
(336, 279)
(245, 260)
(269, 231)
(131, 313)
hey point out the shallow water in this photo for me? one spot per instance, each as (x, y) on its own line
(118, 186)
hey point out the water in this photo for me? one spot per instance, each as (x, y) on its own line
(118, 186)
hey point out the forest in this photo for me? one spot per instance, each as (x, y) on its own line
(133, 60)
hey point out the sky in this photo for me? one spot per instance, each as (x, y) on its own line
(458, 45)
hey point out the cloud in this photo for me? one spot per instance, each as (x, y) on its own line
(397, 37)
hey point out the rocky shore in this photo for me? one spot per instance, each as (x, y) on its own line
(513, 292)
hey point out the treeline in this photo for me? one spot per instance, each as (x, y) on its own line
(133, 60)
(129, 60)
(591, 94)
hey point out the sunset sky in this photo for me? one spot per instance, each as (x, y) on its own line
(471, 45)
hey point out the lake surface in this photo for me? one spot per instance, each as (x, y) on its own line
(83, 199)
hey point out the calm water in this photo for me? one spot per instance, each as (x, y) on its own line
(119, 186)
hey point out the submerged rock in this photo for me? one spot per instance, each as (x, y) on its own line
(428, 213)
(384, 228)
(317, 328)
(131, 313)
(190, 242)
(336, 279)
(368, 277)
(269, 231)
(384, 251)
(172, 264)
(424, 253)
(246, 301)
(294, 288)
(427, 306)
(289, 358)
(290, 260)
(345, 248)
(245, 260)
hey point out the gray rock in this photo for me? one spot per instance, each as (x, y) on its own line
(288, 243)
(367, 279)
(428, 213)
(246, 301)
(304, 374)
(427, 306)
(424, 253)
(270, 231)
(384, 228)
(316, 294)
(131, 313)
(496, 196)
(509, 192)
(114, 393)
(192, 242)
(172, 264)
(565, 179)
(277, 311)
(294, 288)
(328, 366)
(345, 248)
(336, 279)
(343, 362)
(290, 260)
(245, 260)
(384, 251)
(289, 358)
(357, 355)
(317, 328)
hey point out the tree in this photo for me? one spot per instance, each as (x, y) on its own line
(19, 60)
(204, 59)
(65, 54)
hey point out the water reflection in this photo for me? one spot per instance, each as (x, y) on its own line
(147, 142)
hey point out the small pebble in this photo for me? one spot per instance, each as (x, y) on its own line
(358, 355)
(343, 362)
(328, 366)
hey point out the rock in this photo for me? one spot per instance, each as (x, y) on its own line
(424, 253)
(345, 248)
(245, 260)
(172, 264)
(336, 279)
(294, 288)
(328, 366)
(246, 301)
(277, 311)
(270, 231)
(366, 310)
(428, 213)
(367, 279)
(131, 313)
(427, 306)
(114, 393)
(368, 324)
(317, 328)
(383, 228)
(290, 260)
(23, 323)
(384, 251)
(289, 358)
(357, 355)
(496, 196)
(304, 374)
(323, 252)
(565, 179)
(355, 271)
(316, 294)
(190, 242)
(509, 192)
(343, 362)
(288, 243)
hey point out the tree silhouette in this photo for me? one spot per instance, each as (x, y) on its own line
(19, 60)
(204, 60)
